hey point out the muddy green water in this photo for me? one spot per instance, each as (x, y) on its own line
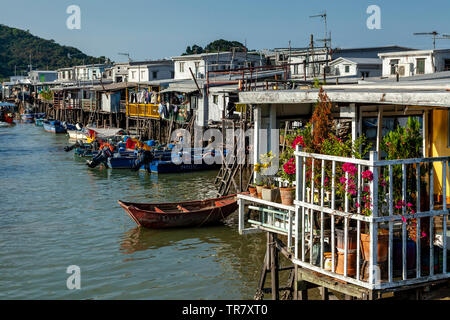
(56, 212)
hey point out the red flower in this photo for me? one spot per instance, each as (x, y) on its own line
(298, 140)
(289, 167)
(350, 168)
(367, 175)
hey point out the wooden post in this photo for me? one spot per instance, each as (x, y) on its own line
(274, 267)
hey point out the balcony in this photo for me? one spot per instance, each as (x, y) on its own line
(371, 223)
(142, 110)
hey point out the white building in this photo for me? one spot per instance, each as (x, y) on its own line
(416, 62)
(38, 76)
(220, 61)
(89, 72)
(150, 71)
(356, 67)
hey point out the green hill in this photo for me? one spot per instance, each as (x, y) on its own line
(16, 46)
(216, 46)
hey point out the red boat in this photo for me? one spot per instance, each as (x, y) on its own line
(181, 214)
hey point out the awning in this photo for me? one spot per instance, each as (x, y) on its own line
(179, 89)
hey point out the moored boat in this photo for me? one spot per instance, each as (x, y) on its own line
(53, 126)
(27, 117)
(181, 214)
(6, 124)
(77, 135)
(39, 122)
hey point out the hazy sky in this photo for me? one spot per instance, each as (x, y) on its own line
(149, 29)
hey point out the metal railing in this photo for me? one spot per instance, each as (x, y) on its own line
(374, 193)
(336, 198)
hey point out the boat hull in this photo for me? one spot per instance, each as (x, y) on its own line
(49, 127)
(170, 167)
(27, 117)
(211, 211)
(77, 135)
(6, 124)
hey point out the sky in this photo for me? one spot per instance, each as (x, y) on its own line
(150, 29)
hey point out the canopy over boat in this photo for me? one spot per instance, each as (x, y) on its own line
(106, 132)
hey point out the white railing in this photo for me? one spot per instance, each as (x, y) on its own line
(356, 201)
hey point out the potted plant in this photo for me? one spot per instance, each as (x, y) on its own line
(269, 191)
(253, 191)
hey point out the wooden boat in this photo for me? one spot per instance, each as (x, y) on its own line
(181, 214)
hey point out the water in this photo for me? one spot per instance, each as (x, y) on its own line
(56, 212)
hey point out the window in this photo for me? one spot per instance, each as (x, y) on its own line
(181, 67)
(197, 65)
(155, 74)
(420, 66)
(133, 74)
(447, 65)
(296, 69)
(215, 99)
(142, 74)
(393, 64)
(347, 68)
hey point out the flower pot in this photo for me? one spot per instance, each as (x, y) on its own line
(287, 196)
(351, 240)
(259, 191)
(253, 192)
(351, 263)
(382, 245)
(269, 194)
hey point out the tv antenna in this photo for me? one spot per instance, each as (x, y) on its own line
(125, 54)
(435, 35)
(324, 17)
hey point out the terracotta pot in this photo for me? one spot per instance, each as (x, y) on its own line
(253, 192)
(351, 240)
(287, 196)
(259, 191)
(351, 263)
(382, 245)
(270, 194)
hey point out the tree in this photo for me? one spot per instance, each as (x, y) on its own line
(216, 46)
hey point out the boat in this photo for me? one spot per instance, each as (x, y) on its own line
(53, 126)
(77, 135)
(27, 117)
(168, 166)
(6, 116)
(203, 161)
(4, 124)
(39, 122)
(181, 214)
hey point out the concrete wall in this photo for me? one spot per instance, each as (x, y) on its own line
(145, 73)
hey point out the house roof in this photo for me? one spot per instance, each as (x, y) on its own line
(365, 61)
(412, 53)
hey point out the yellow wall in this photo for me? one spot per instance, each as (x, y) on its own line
(438, 130)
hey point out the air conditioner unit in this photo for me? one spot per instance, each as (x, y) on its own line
(405, 69)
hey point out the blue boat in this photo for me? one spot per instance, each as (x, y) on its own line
(39, 122)
(122, 162)
(167, 166)
(27, 117)
(53, 126)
